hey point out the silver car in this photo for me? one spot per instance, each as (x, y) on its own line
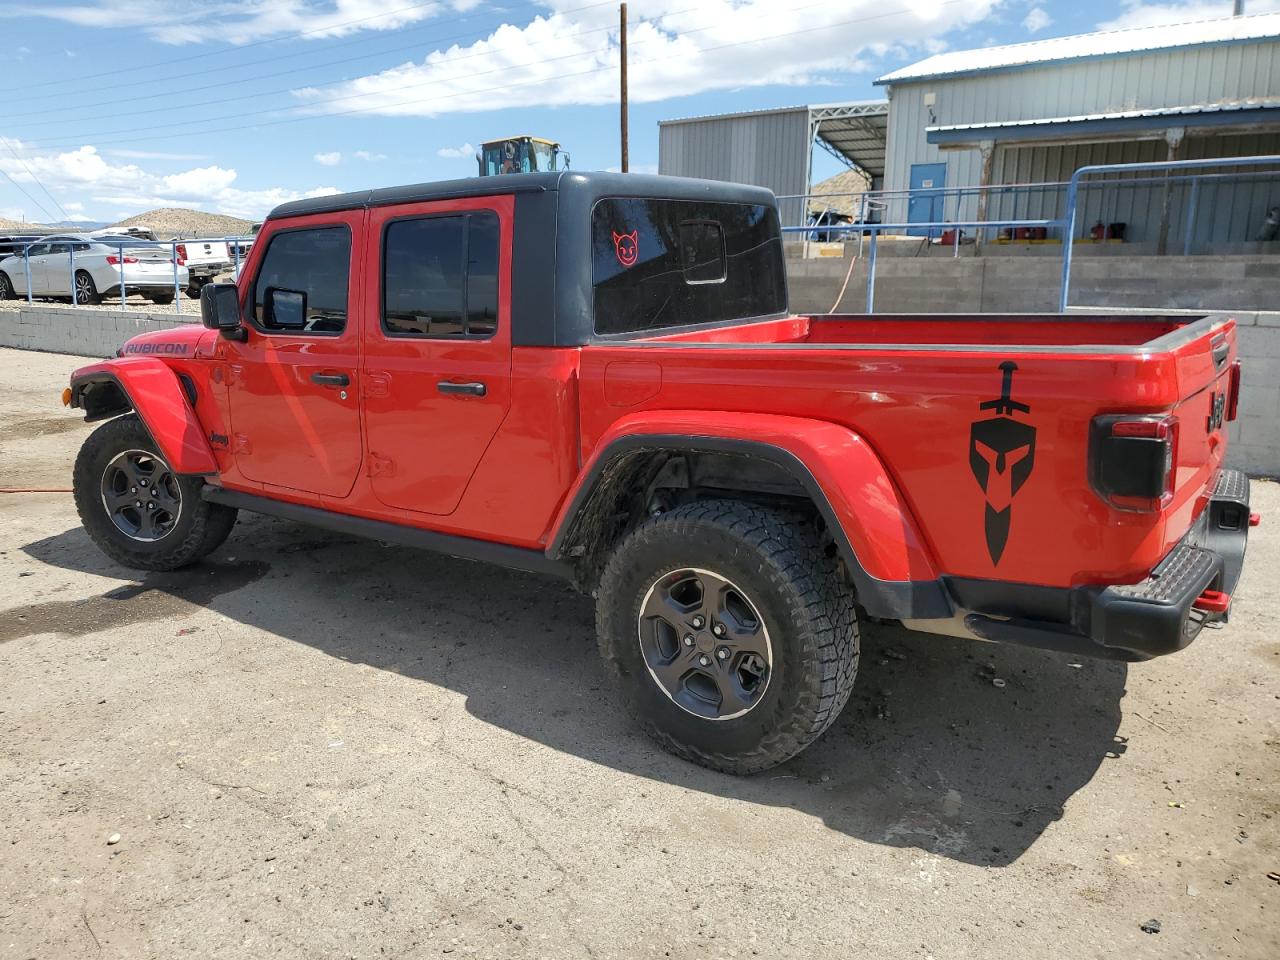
(97, 265)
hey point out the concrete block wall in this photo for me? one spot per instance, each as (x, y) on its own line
(968, 284)
(83, 332)
(1254, 439)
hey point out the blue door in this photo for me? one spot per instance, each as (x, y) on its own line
(925, 202)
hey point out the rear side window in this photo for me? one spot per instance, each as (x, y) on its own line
(675, 263)
(440, 276)
(315, 262)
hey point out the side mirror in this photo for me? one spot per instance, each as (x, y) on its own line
(220, 309)
(285, 309)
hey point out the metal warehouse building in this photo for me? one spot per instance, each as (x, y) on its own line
(774, 148)
(1032, 113)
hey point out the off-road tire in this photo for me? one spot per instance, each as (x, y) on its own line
(161, 299)
(780, 561)
(6, 288)
(86, 291)
(200, 528)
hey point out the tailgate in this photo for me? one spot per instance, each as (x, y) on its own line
(1208, 390)
(204, 251)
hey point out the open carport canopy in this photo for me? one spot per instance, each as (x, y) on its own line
(855, 132)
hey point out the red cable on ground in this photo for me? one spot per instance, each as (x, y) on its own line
(36, 490)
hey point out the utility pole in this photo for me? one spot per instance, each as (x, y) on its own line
(1239, 9)
(622, 35)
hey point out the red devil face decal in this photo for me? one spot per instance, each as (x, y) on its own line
(627, 247)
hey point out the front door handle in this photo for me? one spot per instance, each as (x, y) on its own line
(469, 389)
(331, 379)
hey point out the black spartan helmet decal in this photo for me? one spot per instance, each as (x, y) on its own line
(1002, 452)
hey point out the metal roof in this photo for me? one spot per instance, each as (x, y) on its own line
(858, 132)
(1119, 122)
(1265, 26)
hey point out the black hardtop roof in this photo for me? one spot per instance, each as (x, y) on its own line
(585, 186)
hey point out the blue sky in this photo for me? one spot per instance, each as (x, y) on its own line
(117, 106)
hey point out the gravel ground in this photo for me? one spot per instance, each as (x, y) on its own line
(312, 746)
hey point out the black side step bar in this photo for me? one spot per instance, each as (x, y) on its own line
(516, 558)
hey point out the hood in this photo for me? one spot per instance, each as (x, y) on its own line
(188, 340)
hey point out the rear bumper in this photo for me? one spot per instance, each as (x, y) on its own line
(1135, 621)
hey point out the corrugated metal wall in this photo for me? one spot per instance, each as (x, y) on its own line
(1200, 75)
(766, 149)
(1227, 210)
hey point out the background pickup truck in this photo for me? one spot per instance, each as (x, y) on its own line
(204, 260)
(597, 377)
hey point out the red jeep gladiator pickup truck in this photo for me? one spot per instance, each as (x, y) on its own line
(597, 376)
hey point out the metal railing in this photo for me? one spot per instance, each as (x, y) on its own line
(1125, 174)
(237, 247)
(874, 231)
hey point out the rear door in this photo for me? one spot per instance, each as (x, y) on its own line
(54, 270)
(437, 354)
(293, 391)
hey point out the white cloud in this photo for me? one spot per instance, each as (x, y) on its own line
(84, 172)
(328, 159)
(568, 56)
(1036, 20)
(244, 21)
(457, 153)
(371, 157)
(1139, 14)
(154, 155)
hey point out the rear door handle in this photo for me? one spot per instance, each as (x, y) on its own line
(468, 389)
(331, 379)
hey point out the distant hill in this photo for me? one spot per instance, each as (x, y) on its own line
(848, 182)
(79, 226)
(170, 222)
(17, 226)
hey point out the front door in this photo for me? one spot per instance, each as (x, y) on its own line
(926, 201)
(293, 384)
(437, 362)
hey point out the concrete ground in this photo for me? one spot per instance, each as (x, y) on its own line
(312, 746)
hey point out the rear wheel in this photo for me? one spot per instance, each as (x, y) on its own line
(137, 510)
(160, 298)
(86, 289)
(731, 633)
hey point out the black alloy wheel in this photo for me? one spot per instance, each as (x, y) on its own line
(705, 644)
(141, 496)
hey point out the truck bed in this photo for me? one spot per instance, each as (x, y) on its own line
(913, 388)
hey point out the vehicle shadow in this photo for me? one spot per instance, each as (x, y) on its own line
(930, 753)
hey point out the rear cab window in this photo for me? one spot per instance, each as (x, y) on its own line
(659, 264)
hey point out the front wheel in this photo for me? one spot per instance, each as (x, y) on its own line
(730, 631)
(6, 287)
(137, 510)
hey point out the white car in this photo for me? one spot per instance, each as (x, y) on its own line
(99, 265)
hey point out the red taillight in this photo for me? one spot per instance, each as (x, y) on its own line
(116, 261)
(1132, 461)
(182, 254)
(1233, 392)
